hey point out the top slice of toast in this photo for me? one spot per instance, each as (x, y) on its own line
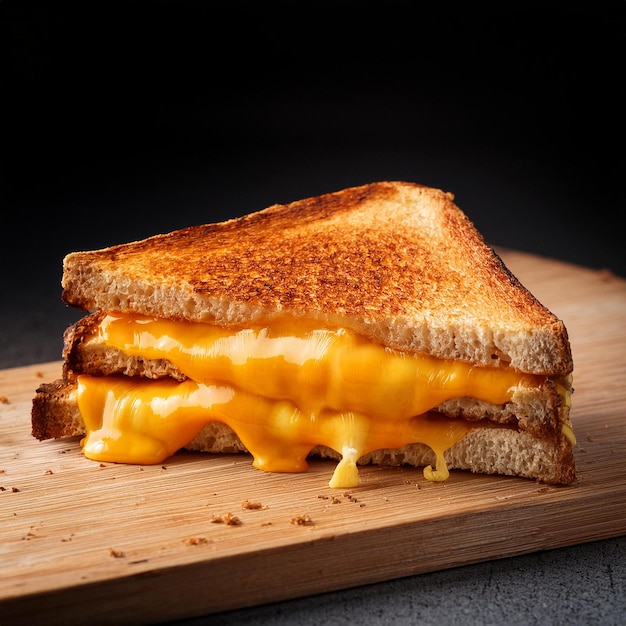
(399, 262)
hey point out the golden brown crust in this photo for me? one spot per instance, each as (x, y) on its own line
(55, 411)
(398, 262)
(84, 353)
(74, 338)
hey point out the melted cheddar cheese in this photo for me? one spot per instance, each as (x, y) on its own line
(283, 390)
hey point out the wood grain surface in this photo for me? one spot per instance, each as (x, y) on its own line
(117, 544)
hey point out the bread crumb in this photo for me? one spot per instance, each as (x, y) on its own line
(49, 471)
(116, 554)
(337, 500)
(196, 541)
(251, 506)
(302, 520)
(30, 535)
(4, 400)
(229, 519)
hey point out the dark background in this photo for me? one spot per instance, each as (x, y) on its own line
(122, 120)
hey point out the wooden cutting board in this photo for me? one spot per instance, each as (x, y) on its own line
(112, 544)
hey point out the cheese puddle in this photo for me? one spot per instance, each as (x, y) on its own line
(283, 390)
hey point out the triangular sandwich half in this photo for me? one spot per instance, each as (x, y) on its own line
(371, 325)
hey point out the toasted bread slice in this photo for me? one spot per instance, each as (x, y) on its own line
(398, 262)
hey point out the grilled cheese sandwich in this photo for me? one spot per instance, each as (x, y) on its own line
(297, 380)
